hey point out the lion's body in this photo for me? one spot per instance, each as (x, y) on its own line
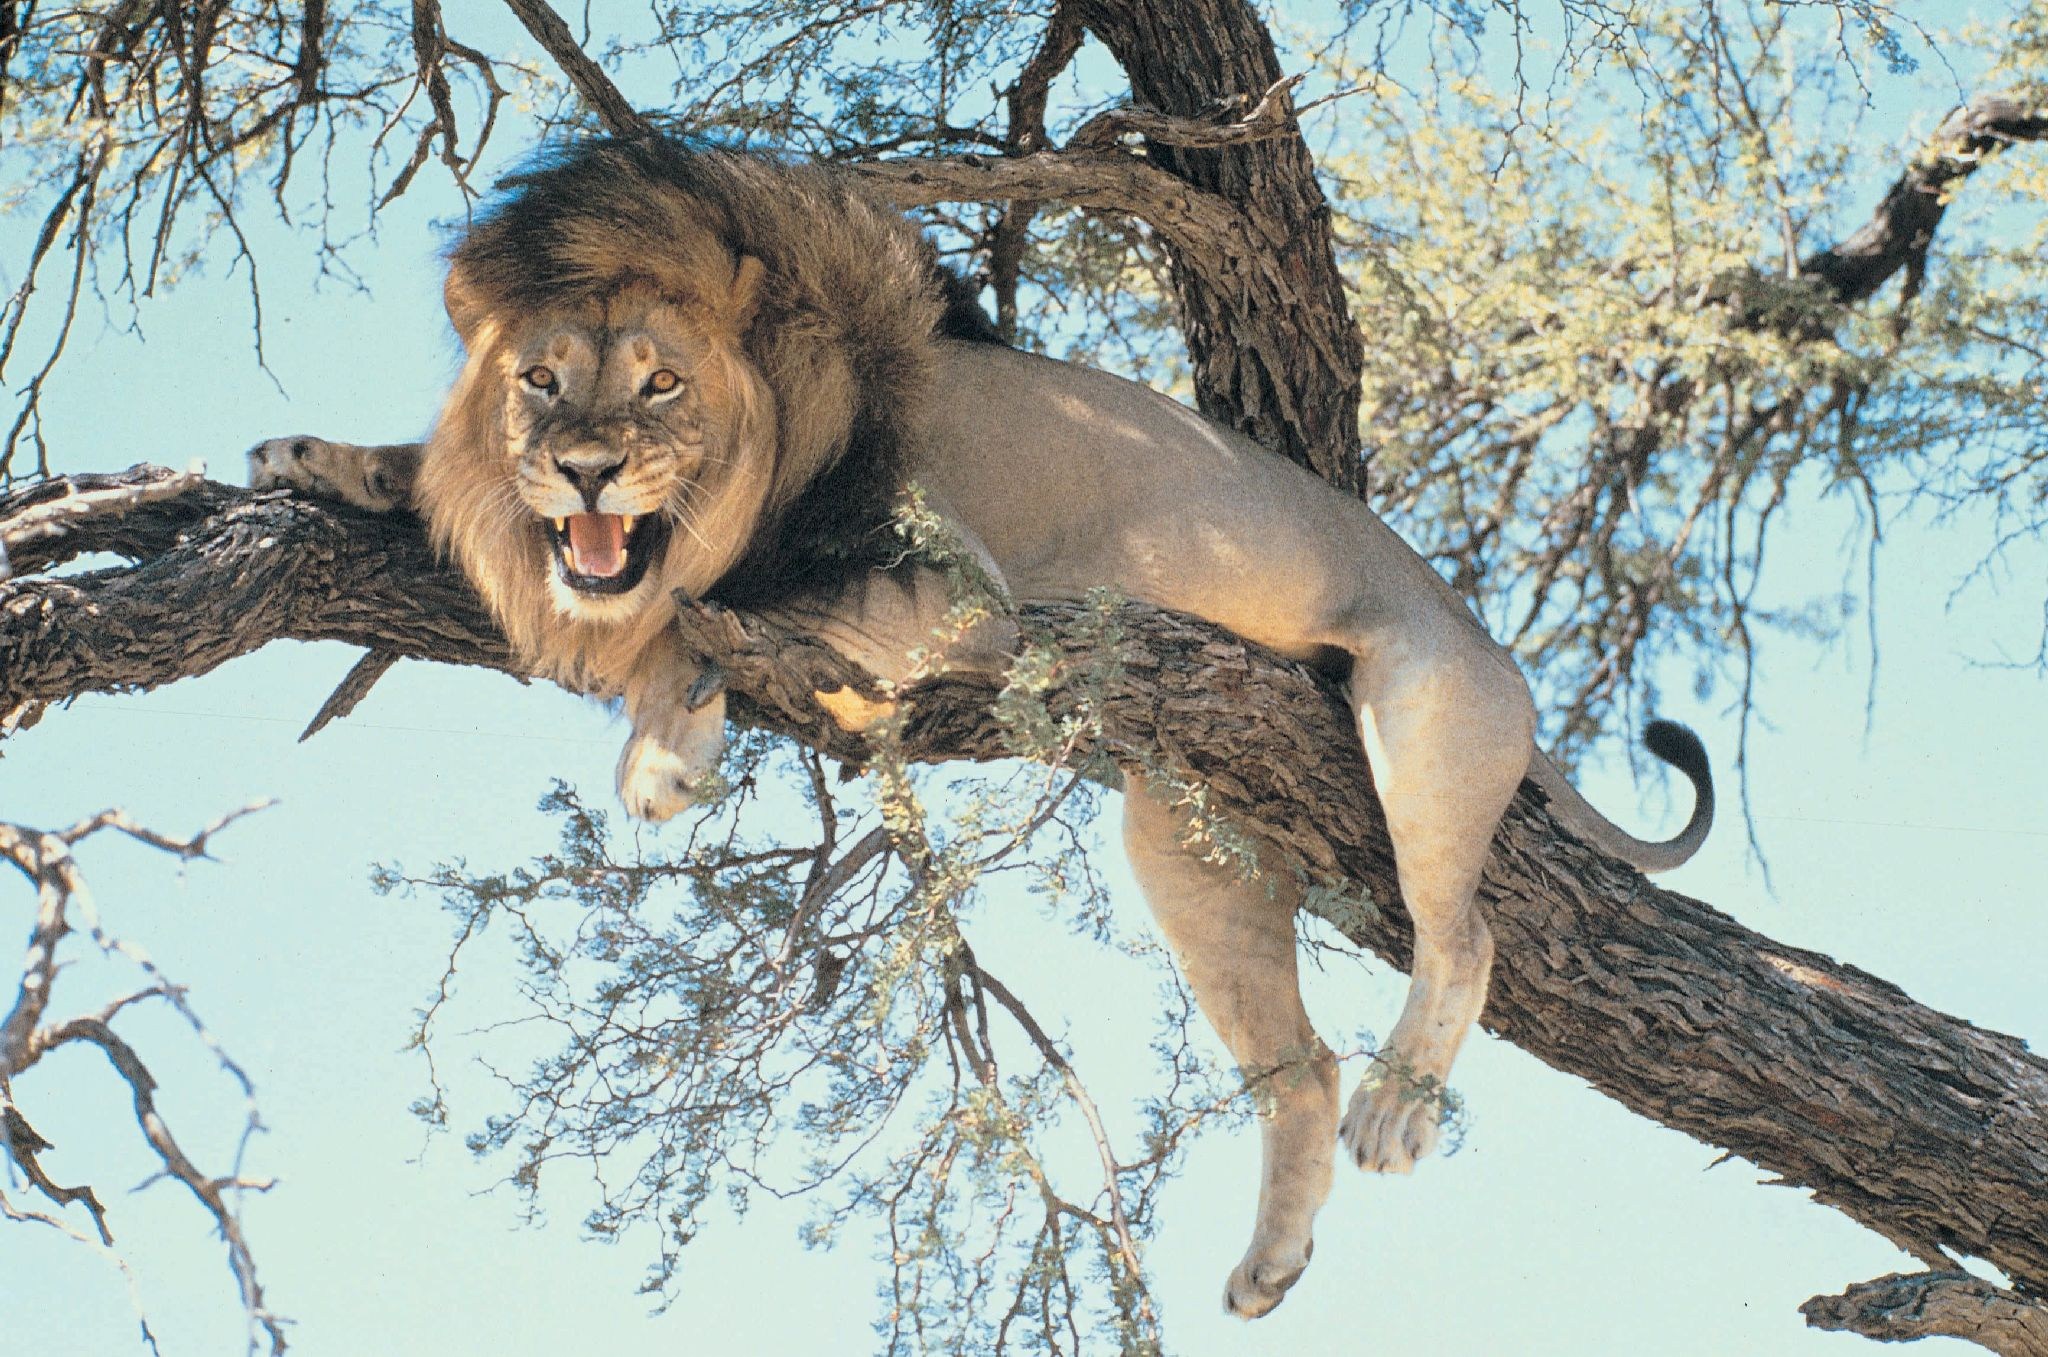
(714, 374)
(1144, 495)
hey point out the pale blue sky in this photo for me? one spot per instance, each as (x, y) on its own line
(1566, 1225)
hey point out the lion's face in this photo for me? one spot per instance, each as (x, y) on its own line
(622, 426)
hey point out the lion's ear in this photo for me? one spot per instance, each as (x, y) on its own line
(465, 303)
(746, 293)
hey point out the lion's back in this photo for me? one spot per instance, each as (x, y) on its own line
(1075, 479)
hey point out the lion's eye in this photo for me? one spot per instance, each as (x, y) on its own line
(540, 377)
(661, 382)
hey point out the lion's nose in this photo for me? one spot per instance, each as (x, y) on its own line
(590, 471)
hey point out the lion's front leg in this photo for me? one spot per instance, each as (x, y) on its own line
(657, 783)
(376, 478)
(900, 625)
(671, 762)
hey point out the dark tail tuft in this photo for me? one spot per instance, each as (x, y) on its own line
(1671, 743)
(1680, 748)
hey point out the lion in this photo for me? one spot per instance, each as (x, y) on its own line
(711, 374)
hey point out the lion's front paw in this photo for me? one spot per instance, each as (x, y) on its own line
(369, 478)
(656, 783)
(1393, 1120)
(297, 463)
(1261, 1281)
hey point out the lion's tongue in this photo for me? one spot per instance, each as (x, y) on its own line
(597, 544)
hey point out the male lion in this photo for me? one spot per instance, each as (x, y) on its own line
(713, 374)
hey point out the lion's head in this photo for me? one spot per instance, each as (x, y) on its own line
(676, 360)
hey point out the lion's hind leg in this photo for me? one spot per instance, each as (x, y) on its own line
(1448, 738)
(1235, 943)
(376, 478)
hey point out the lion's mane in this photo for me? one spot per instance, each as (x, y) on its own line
(841, 330)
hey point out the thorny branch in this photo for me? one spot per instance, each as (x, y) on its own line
(31, 1031)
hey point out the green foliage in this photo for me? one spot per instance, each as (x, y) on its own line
(1598, 375)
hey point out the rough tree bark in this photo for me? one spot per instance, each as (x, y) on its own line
(1274, 348)
(1900, 232)
(1928, 1130)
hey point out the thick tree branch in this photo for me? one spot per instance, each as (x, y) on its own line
(1204, 224)
(48, 526)
(260, 567)
(1906, 1306)
(1899, 234)
(1920, 1126)
(1819, 1072)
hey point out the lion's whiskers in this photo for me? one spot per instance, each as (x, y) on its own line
(502, 506)
(681, 515)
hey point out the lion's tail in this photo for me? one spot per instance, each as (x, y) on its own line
(1675, 745)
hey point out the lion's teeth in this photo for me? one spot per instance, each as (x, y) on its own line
(622, 561)
(561, 524)
(631, 519)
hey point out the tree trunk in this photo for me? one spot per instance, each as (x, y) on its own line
(1275, 352)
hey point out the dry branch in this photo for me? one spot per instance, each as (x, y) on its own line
(64, 907)
(592, 84)
(1928, 1130)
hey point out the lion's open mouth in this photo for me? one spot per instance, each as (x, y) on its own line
(605, 553)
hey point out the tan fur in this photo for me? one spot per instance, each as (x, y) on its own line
(470, 479)
(1058, 480)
